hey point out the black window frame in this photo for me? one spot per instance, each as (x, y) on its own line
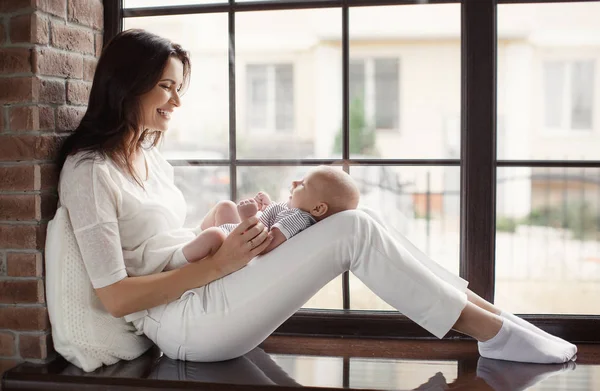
(478, 161)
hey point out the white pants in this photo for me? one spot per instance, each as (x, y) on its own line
(231, 316)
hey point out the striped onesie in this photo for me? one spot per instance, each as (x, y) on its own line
(288, 220)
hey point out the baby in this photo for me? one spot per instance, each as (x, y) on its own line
(323, 192)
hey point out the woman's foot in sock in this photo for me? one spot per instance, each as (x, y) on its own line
(525, 324)
(509, 376)
(515, 343)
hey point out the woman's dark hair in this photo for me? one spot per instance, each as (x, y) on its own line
(131, 64)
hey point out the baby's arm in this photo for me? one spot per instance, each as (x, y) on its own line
(278, 239)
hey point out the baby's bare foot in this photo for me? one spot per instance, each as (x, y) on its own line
(247, 208)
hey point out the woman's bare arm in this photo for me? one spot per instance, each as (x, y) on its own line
(134, 294)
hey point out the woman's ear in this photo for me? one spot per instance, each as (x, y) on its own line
(320, 209)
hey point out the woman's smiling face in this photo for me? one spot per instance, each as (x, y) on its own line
(159, 103)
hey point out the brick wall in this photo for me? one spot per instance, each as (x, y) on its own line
(48, 51)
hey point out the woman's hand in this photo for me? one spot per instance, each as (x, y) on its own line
(245, 242)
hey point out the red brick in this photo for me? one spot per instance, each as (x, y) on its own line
(51, 62)
(14, 5)
(21, 291)
(16, 89)
(35, 346)
(72, 38)
(2, 36)
(31, 118)
(19, 236)
(78, 92)
(24, 264)
(29, 28)
(46, 206)
(68, 117)
(24, 318)
(54, 7)
(24, 148)
(48, 174)
(49, 91)
(7, 344)
(89, 66)
(87, 12)
(17, 207)
(15, 60)
(17, 178)
(99, 44)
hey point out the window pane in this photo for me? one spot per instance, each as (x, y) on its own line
(276, 181)
(547, 60)
(257, 96)
(162, 3)
(548, 240)
(301, 52)
(199, 128)
(420, 203)
(386, 93)
(582, 94)
(284, 97)
(202, 188)
(411, 66)
(554, 81)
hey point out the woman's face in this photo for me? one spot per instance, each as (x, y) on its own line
(158, 103)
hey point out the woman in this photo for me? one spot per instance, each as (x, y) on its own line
(128, 220)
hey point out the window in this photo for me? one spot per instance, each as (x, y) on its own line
(270, 98)
(374, 82)
(569, 94)
(288, 83)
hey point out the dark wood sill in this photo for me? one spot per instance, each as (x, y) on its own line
(285, 363)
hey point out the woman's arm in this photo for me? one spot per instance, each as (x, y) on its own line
(133, 294)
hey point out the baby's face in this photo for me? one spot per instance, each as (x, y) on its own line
(304, 193)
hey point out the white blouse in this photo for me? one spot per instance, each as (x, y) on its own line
(121, 229)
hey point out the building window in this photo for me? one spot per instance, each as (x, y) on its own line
(569, 94)
(375, 81)
(270, 94)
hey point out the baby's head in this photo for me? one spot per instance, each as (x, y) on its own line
(323, 192)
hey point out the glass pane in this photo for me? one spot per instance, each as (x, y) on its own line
(162, 3)
(390, 374)
(202, 188)
(582, 94)
(548, 240)
(386, 93)
(554, 81)
(297, 110)
(410, 75)
(276, 181)
(547, 85)
(421, 203)
(200, 127)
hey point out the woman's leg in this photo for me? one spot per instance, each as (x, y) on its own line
(461, 284)
(225, 212)
(231, 316)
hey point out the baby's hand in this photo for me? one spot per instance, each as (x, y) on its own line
(263, 200)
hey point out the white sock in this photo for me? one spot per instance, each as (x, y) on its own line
(525, 324)
(515, 343)
(510, 376)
